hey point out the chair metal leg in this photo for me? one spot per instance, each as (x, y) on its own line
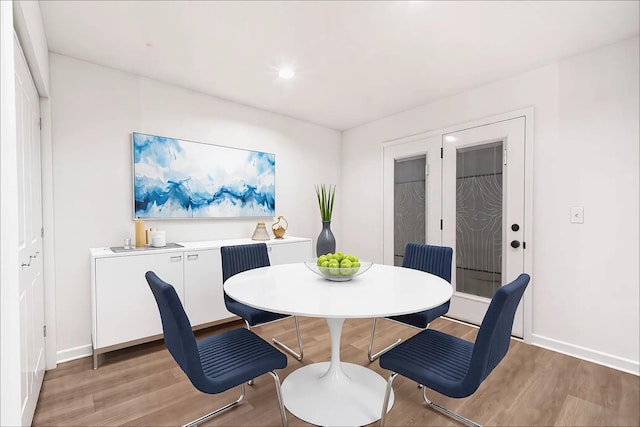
(447, 412)
(217, 411)
(283, 414)
(384, 350)
(250, 382)
(298, 356)
(387, 394)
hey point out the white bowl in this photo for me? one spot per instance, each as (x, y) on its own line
(338, 274)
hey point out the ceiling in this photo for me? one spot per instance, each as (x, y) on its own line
(355, 61)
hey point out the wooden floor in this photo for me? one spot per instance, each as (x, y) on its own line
(144, 386)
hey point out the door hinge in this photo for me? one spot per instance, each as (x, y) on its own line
(426, 169)
(440, 224)
(504, 157)
(44, 331)
(441, 152)
(41, 232)
(40, 123)
(524, 245)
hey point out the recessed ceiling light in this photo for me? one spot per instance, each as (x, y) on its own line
(285, 73)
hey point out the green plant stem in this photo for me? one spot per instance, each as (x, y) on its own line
(326, 198)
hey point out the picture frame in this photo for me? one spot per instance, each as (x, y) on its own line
(182, 179)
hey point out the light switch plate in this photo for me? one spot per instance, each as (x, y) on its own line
(577, 215)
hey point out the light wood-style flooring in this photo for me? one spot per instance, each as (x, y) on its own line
(143, 386)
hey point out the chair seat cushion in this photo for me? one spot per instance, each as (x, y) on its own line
(252, 315)
(436, 360)
(423, 318)
(233, 357)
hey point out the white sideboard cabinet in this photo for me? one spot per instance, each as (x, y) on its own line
(203, 299)
(124, 312)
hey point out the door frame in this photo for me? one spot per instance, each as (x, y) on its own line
(528, 114)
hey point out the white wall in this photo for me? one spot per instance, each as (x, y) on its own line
(94, 111)
(585, 278)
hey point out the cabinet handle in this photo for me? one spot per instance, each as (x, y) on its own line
(192, 256)
(176, 258)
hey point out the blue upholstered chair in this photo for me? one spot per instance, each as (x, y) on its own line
(452, 366)
(431, 259)
(236, 259)
(215, 363)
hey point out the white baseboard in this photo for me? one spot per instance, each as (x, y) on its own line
(605, 359)
(74, 353)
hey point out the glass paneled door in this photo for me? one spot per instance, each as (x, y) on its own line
(411, 187)
(483, 214)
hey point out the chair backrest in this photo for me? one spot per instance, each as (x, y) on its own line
(178, 335)
(236, 259)
(431, 259)
(494, 335)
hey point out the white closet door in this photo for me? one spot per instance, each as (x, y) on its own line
(32, 348)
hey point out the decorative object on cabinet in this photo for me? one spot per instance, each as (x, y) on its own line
(326, 242)
(141, 240)
(118, 249)
(279, 228)
(260, 233)
(158, 238)
(175, 178)
(215, 363)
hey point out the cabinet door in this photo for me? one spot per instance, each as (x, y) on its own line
(285, 253)
(125, 307)
(203, 295)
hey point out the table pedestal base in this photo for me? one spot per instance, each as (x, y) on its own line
(350, 396)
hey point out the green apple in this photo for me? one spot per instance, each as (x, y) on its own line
(334, 267)
(322, 259)
(324, 267)
(345, 263)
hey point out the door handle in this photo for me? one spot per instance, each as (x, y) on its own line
(515, 244)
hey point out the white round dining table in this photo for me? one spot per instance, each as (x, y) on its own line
(337, 393)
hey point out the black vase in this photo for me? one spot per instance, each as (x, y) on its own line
(326, 242)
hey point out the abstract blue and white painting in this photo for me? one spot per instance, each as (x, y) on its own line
(174, 178)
